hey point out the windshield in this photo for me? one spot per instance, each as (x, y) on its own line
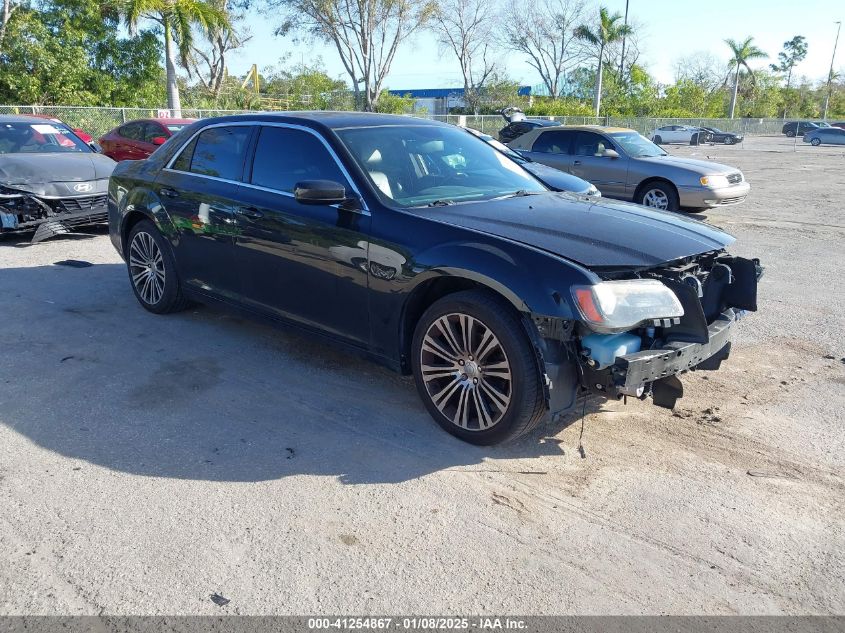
(507, 151)
(636, 145)
(32, 138)
(423, 165)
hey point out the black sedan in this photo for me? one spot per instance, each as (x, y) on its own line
(50, 180)
(428, 250)
(719, 136)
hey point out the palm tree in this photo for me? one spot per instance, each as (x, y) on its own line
(177, 19)
(609, 31)
(743, 52)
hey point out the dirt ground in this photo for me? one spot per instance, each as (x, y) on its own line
(148, 462)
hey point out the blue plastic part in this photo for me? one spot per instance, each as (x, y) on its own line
(604, 348)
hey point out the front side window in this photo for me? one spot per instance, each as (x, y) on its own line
(220, 152)
(132, 131)
(591, 144)
(286, 156)
(423, 165)
(153, 130)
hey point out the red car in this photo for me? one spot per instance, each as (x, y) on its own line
(85, 138)
(136, 140)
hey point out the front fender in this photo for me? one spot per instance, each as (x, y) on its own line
(532, 280)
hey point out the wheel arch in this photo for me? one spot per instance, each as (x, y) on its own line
(141, 204)
(652, 180)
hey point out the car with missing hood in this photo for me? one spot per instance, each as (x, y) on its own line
(624, 164)
(422, 247)
(50, 180)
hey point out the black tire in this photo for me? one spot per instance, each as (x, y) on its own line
(665, 188)
(729, 140)
(525, 406)
(790, 133)
(815, 142)
(657, 140)
(170, 298)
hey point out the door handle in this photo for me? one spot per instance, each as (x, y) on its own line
(251, 212)
(576, 162)
(170, 193)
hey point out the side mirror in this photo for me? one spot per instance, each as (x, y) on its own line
(95, 146)
(610, 153)
(159, 140)
(319, 192)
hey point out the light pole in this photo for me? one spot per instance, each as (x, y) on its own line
(830, 72)
(622, 61)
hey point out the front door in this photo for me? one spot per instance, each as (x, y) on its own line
(590, 163)
(200, 192)
(305, 263)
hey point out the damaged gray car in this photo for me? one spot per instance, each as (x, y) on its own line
(50, 180)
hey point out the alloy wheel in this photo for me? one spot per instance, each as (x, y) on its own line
(656, 198)
(466, 371)
(146, 267)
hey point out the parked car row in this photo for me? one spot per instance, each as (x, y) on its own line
(433, 251)
(795, 128)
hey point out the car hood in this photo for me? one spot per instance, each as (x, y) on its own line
(42, 173)
(557, 179)
(601, 234)
(702, 167)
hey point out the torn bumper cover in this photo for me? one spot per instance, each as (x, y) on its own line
(25, 212)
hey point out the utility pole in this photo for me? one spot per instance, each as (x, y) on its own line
(830, 72)
(622, 60)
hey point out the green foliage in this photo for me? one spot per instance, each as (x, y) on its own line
(562, 106)
(70, 53)
(394, 104)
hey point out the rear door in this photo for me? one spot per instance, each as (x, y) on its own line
(553, 148)
(306, 263)
(200, 191)
(606, 173)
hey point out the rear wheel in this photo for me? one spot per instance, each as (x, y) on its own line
(659, 195)
(657, 140)
(815, 142)
(790, 133)
(475, 369)
(152, 271)
(729, 140)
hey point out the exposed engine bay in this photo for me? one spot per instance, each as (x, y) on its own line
(714, 290)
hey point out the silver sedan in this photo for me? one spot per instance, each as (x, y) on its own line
(625, 165)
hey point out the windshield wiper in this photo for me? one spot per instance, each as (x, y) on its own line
(440, 203)
(519, 194)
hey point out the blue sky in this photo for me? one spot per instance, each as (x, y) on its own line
(670, 30)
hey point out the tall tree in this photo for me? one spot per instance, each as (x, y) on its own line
(177, 19)
(543, 31)
(207, 59)
(793, 53)
(607, 31)
(365, 33)
(465, 27)
(742, 53)
(9, 7)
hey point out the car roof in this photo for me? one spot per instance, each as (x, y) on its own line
(526, 140)
(327, 119)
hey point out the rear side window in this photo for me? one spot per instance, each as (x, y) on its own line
(134, 131)
(553, 142)
(284, 157)
(220, 152)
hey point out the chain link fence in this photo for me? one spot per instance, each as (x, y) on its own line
(96, 121)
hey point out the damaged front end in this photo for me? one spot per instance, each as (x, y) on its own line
(688, 326)
(26, 211)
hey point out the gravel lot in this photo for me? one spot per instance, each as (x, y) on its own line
(148, 462)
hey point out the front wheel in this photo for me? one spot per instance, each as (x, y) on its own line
(815, 142)
(659, 195)
(790, 133)
(729, 140)
(657, 140)
(475, 369)
(152, 271)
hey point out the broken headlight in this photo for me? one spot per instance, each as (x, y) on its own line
(6, 193)
(615, 306)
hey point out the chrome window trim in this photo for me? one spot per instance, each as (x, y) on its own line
(293, 126)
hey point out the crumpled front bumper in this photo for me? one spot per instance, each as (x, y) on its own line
(632, 372)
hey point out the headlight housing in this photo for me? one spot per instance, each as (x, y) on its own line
(616, 306)
(714, 182)
(593, 191)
